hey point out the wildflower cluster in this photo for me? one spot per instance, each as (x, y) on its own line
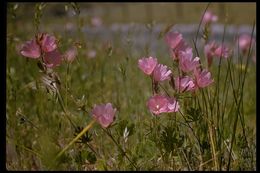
(45, 48)
(190, 76)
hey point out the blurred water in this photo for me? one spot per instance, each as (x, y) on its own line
(140, 36)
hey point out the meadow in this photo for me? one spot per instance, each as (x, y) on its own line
(94, 86)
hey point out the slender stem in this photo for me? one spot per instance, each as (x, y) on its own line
(120, 148)
(186, 159)
(24, 147)
(164, 90)
(66, 85)
(76, 138)
(191, 129)
(92, 149)
(152, 84)
(213, 147)
(200, 24)
(240, 100)
(64, 109)
(207, 161)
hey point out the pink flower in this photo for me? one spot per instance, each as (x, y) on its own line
(70, 54)
(184, 84)
(52, 59)
(213, 49)
(202, 78)
(209, 17)
(244, 42)
(173, 39)
(104, 114)
(147, 65)
(222, 51)
(160, 73)
(187, 63)
(209, 52)
(183, 46)
(162, 104)
(47, 42)
(176, 43)
(31, 49)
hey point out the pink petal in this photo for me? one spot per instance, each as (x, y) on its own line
(209, 53)
(158, 104)
(209, 17)
(48, 43)
(244, 42)
(187, 63)
(173, 105)
(184, 84)
(104, 114)
(173, 39)
(31, 49)
(70, 54)
(222, 51)
(161, 73)
(147, 65)
(52, 59)
(162, 104)
(203, 78)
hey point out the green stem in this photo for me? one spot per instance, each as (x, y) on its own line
(120, 148)
(76, 138)
(240, 100)
(64, 109)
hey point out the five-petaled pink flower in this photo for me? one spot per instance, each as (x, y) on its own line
(176, 43)
(162, 104)
(147, 65)
(212, 49)
(202, 78)
(209, 17)
(185, 83)
(244, 42)
(187, 62)
(104, 114)
(70, 54)
(161, 73)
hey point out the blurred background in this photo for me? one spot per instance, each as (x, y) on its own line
(237, 13)
(140, 22)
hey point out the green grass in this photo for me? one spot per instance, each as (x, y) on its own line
(37, 129)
